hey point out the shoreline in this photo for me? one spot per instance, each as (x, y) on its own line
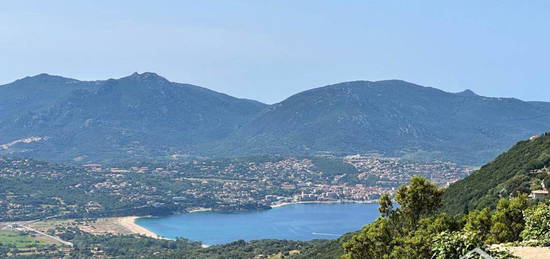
(278, 205)
(199, 210)
(130, 224)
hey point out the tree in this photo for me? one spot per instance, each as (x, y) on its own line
(406, 231)
(537, 223)
(454, 244)
(508, 220)
(373, 241)
(386, 205)
(479, 223)
(418, 199)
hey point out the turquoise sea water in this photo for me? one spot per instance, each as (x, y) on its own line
(293, 222)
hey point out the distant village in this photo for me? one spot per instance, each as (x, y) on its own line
(237, 184)
(94, 190)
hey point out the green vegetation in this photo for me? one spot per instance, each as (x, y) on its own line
(19, 239)
(68, 192)
(537, 223)
(333, 166)
(488, 207)
(391, 117)
(160, 188)
(146, 117)
(327, 249)
(520, 170)
(120, 246)
(133, 246)
(138, 117)
(406, 231)
(416, 230)
(456, 244)
(21, 244)
(252, 249)
(423, 221)
(413, 229)
(508, 220)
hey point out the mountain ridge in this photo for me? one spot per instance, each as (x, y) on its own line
(147, 116)
(138, 116)
(391, 115)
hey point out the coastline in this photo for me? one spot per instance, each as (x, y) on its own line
(130, 224)
(199, 210)
(321, 202)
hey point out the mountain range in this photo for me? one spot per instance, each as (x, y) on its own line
(145, 116)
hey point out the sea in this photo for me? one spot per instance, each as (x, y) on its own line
(292, 222)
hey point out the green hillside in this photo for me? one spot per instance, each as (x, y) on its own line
(145, 116)
(392, 117)
(136, 117)
(521, 169)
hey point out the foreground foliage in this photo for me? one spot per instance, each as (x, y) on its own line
(416, 230)
(537, 223)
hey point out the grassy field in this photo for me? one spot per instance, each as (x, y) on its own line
(50, 224)
(19, 239)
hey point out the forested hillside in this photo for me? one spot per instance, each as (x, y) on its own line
(137, 117)
(520, 170)
(145, 116)
(396, 118)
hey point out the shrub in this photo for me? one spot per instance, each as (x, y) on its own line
(537, 223)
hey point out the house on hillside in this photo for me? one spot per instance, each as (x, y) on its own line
(545, 134)
(539, 194)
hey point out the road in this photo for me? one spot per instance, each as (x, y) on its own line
(44, 234)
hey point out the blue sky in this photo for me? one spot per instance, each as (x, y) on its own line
(269, 50)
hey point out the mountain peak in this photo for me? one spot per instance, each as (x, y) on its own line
(468, 93)
(147, 76)
(42, 75)
(45, 78)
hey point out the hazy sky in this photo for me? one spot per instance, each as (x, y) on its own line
(269, 50)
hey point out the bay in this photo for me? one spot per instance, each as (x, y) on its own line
(293, 222)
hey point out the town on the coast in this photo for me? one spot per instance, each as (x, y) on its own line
(222, 184)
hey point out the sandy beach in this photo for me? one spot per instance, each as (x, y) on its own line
(127, 225)
(130, 224)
